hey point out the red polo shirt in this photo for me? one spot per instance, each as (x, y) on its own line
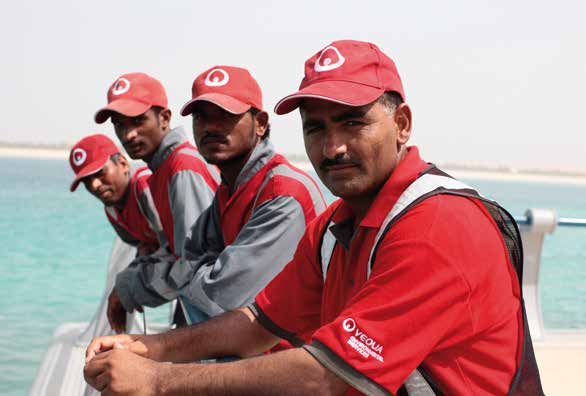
(442, 292)
(130, 218)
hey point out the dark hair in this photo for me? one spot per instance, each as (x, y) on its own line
(254, 111)
(157, 110)
(390, 100)
(115, 157)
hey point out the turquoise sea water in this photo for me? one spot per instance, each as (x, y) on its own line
(55, 247)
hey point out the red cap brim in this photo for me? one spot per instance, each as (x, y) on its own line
(226, 102)
(88, 170)
(344, 92)
(129, 108)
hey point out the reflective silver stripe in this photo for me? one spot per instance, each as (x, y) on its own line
(112, 212)
(416, 385)
(327, 249)
(423, 185)
(285, 170)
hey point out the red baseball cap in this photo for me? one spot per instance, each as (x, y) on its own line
(131, 95)
(232, 88)
(89, 155)
(350, 72)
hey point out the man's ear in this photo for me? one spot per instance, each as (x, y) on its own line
(403, 121)
(165, 119)
(123, 162)
(261, 122)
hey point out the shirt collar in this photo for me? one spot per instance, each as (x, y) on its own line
(406, 172)
(260, 156)
(171, 140)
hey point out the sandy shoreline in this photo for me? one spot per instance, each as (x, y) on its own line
(42, 153)
(495, 175)
(36, 153)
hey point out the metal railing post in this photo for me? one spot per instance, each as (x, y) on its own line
(538, 223)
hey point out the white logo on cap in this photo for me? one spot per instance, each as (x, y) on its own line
(78, 156)
(120, 86)
(349, 325)
(326, 64)
(213, 78)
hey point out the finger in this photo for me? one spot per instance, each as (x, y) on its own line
(102, 344)
(110, 314)
(90, 373)
(93, 348)
(120, 322)
(102, 382)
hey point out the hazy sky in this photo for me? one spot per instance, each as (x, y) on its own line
(490, 82)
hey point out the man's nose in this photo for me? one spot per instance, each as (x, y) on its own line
(334, 145)
(95, 183)
(130, 133)
(214, 124)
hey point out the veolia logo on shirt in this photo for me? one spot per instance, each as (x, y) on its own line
(121, 86)
(362, 342)
(217, 78)
(78, 156)
(329, 59)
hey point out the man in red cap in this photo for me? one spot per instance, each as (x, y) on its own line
(259, 213)
(99, 165)
(409, 284)
(182, 184)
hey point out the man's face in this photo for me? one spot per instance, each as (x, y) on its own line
(353, 149)
(223, 137)
(110, 183)
(141, 135)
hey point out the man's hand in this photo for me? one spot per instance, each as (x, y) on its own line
(116, 313)
(121, 372)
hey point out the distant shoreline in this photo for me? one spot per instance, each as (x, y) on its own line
(34, 152)
(553, 177)
(498, 175)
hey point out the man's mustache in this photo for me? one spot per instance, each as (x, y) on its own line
(218, 137)
(342, 160)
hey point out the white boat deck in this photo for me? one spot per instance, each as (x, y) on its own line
(561, 357)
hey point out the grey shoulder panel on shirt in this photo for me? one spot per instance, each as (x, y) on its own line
(349, 374)
(146, 204)
(189, 196)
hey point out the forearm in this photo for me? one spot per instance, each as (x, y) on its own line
(264, 245)
(234, 333)
(291, 372)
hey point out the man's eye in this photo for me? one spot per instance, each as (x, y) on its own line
(310, 130)
(353, 123)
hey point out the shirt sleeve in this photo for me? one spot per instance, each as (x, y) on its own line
(144, 281)
(189, 196)
(217, 278)
(290, 305)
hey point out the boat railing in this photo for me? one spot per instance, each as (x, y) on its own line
(534, 225)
